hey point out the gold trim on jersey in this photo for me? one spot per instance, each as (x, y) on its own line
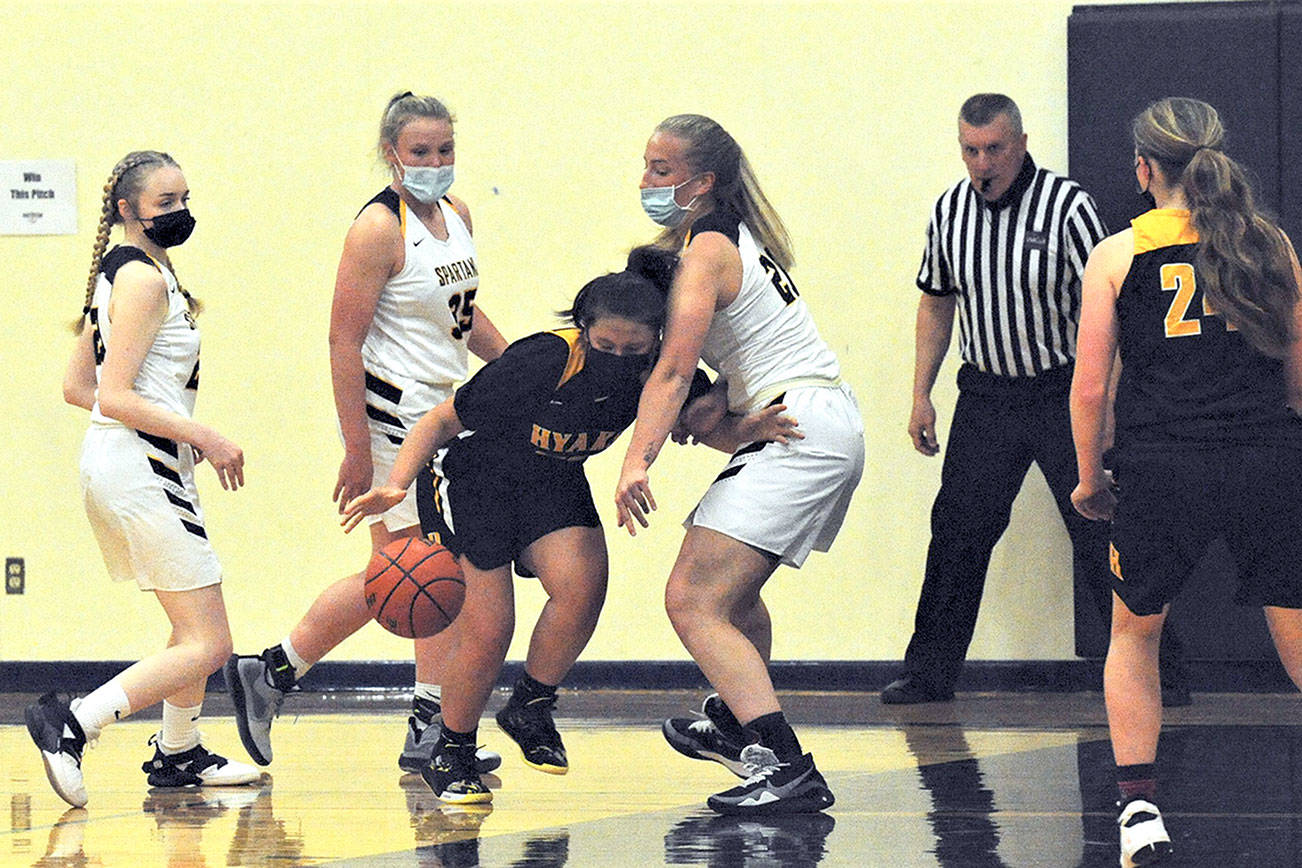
(402, 218)
(578, 353)
(1162, 227)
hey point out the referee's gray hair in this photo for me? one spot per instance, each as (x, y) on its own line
(401, 110)
(982, 108)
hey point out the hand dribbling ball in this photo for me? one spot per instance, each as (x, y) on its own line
(414, 588)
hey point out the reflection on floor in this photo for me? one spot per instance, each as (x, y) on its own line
(990, 780)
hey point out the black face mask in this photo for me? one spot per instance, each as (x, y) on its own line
(622, 370)
(170, 229)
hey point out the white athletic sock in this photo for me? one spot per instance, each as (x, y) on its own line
(102, 706)
(180, 728)
(300, 665)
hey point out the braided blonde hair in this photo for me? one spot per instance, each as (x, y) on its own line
(125, 182)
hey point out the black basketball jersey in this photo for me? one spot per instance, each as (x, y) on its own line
(544, 406)
(1187, 376)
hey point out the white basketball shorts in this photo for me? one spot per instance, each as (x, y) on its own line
(144, 509)
(393, 405)
(790, 499)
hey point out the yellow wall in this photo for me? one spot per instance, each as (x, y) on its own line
(846, 110)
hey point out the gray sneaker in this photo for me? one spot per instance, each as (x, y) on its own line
(257, 702)
(775, 787)
(422, 739)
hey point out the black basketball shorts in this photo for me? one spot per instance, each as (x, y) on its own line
(1173, 503)
(491, 520)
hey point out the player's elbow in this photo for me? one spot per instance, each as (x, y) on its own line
(1088, 397)
(112, 403)
(78, 395)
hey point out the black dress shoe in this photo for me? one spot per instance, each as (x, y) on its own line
(911, 690)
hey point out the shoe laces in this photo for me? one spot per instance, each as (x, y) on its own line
(704, 726)
(759, 762)
(456, 758)
(535, 716)
(277, 695)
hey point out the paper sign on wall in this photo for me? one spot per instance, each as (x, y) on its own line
(38, 197)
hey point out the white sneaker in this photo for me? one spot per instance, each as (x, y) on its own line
(55, 729)
(1143, 835)
(196, 767)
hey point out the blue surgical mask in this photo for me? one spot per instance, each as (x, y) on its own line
(660, 206)
(427, 183)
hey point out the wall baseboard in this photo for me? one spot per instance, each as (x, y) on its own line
(1055, 676)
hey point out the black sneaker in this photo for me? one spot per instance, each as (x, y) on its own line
(775, 787)
(196, 767)
(452, 776)
(716, 737)
(55, 729)
(530, 725)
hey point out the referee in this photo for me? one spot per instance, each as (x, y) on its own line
(1006, 246)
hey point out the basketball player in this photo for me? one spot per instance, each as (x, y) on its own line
(515, 490)
(734, 305)
(136, 369)
(404, 316)
(1201, 298)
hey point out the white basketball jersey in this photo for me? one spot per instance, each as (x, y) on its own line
(169, 374)
(765, 340)
(425, 311)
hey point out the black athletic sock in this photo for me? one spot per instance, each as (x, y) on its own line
(1137, 781)
(450, 738)
(528, 688)
(282, 671)
(777, 735)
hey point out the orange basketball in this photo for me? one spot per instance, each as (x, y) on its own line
(414, 588)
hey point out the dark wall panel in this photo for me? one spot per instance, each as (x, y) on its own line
(1290, 120)
(1120, 58)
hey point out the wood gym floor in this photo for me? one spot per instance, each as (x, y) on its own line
(1002, 779)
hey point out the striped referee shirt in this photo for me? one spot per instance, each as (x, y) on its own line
(1016, 265)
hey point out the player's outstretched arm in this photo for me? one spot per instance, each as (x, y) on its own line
(768, 425)
(434, 430)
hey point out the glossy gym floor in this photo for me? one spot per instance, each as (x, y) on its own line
(993, 779)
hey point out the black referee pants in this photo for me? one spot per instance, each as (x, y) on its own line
(1000, 425)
